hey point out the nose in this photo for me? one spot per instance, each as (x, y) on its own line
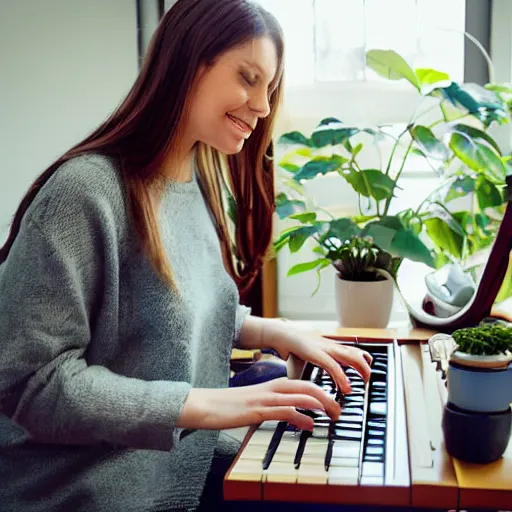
(259, 103)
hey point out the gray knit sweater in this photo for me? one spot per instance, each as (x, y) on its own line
(97, 355)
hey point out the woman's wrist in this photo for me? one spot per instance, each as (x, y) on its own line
(279, 336)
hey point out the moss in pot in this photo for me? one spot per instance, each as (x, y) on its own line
(484, 346)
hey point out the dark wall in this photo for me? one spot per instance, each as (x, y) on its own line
(478, 24)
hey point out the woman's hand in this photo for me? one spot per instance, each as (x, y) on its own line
(318, 350)
(279, 399)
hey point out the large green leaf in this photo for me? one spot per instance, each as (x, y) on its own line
(475, 134)
(392, 236)
(320, 165)
(295, 137)
(484, 104)
(488, 195)
(462, 186)
(446, 232)
(505, 89)
(286, 207)
(371, 183)
(304, 217)
(332, 133)
(310, 265)
(390, 65)
(428, 76)
(342, 229)
(299, 237)
(407, 244)
(428, 142)
(478, 157)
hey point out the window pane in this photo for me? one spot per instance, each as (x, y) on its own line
(391, 25)
(441, 36)
(339, 37)
(296, 18)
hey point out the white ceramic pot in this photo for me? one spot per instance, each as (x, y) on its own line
(363, 304)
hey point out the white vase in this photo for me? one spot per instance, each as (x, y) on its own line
(363, 304)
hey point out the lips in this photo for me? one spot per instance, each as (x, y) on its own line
(245, 127)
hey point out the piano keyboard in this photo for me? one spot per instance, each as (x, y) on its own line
(355, 451)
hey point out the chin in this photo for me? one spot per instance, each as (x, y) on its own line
(229, 148)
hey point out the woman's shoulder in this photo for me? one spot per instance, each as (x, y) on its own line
(87, 185)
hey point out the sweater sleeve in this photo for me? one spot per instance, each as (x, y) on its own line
(242, 313)
(50, 287)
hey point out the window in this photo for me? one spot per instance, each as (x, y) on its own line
(327, 39)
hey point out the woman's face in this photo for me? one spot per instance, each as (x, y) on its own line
(232, 95)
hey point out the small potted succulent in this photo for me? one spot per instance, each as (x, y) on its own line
(477, 418)
(363, 287)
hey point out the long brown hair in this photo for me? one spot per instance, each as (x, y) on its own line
(146, 127)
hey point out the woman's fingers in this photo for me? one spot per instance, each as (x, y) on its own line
(358, 359)
(289, 414)
(300, 401)
(331, 366)
(290, 386)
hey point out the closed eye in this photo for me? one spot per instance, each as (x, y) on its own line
(249, 80)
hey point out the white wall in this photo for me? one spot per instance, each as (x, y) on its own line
(64, 66)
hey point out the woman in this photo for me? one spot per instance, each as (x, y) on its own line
(119, 305)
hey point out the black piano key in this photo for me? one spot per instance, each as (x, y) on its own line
(305, 435)
(376, 423)
(372, 433)
(375, 442)
(274, 443)
(378, 375)
(379, 385)
(328, 454)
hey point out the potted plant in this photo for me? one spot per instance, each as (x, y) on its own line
(360, 263)
(477, 415)
(456, 145)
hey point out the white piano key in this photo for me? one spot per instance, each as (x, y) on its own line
(281, 472)
(373, 469)
(246, 470)
(372, 480)
(342, 475)
(288, 446)
(344, 462)
(321, 432)
(316, 448)
(312, 474)
(253, 453)
(260, 438)
(349, 449)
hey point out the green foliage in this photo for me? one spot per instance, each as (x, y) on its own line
(486, 339)
(468, 159)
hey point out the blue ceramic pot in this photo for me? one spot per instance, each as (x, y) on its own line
(480, 389)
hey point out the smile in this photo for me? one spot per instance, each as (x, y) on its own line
(242, 126)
